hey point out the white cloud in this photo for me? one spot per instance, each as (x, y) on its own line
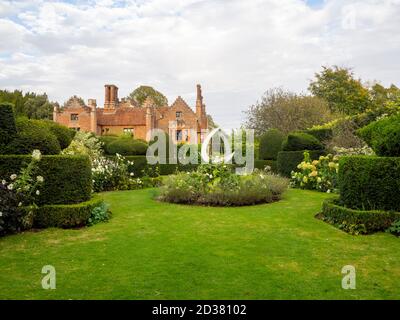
(236, 49)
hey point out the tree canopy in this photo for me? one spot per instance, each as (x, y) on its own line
(140, 94)
(286, 111)
(31, 105)
(343, 93)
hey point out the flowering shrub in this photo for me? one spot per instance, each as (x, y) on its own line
(85, 143)
(217, 185)
(318, 175)
(364, 151)
(17, 198)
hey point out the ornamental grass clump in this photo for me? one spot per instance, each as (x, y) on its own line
(218, 185)
(321, 175)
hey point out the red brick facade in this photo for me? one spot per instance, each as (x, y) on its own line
(119, 116)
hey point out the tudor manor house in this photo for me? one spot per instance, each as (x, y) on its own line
(124, 116)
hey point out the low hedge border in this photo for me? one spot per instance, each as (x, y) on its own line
(357, 221)
(67, 179)
(65, 216)
(289, 160)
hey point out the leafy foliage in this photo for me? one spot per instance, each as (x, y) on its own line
(383, 136)
(286, 112)
(31, 135)
(85, 143)
(99, 214)
(271, 144)
(342, 92)
(126, 146)
(299, 141)
(140, 94)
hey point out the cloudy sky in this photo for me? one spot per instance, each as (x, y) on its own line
(236, 49)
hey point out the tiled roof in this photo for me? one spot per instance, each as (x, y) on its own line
(122, 117)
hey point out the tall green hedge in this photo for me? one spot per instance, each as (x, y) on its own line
(370, 183)
(8, 128)
(289, 160)
(67, 179)
(299, 141)
(271, 144)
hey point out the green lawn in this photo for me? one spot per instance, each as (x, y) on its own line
(152, 250)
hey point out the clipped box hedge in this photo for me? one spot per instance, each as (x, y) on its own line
(65, 216)
(67, 179)
(289, 160)
(361, 221)
(370, 183)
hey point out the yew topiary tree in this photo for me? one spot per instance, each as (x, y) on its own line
(8, 128)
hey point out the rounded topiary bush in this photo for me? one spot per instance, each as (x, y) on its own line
(271, 144)
(8, 128)
(383, 136)
(299, 141)
(32, 134)
(63, 134)
(126, 146)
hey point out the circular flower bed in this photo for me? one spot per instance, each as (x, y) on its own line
(217, 185)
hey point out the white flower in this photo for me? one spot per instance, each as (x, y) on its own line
(19, 204)
(36, 154)
(37, 192)
(39, 179)
(1, 214)
(329, 191)
(131, 174)
(13, 176)
(3, 182)
(10, 186)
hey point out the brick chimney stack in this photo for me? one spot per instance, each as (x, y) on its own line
(200, 107)
(110, 96)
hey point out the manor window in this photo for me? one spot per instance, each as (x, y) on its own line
(178, 135)
(74, 117)
(179, 114)
(128, 130)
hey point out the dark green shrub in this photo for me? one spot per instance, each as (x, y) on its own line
(126, 146)
(370, 183)
(32, 134)
(383, 136)
(322, 134)
(289, 160)
(261, 164)
(357, 221)
(65, 216)
(271, 144)
(67, 179)
(8, 128)
(63, 134)
(299, 141)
